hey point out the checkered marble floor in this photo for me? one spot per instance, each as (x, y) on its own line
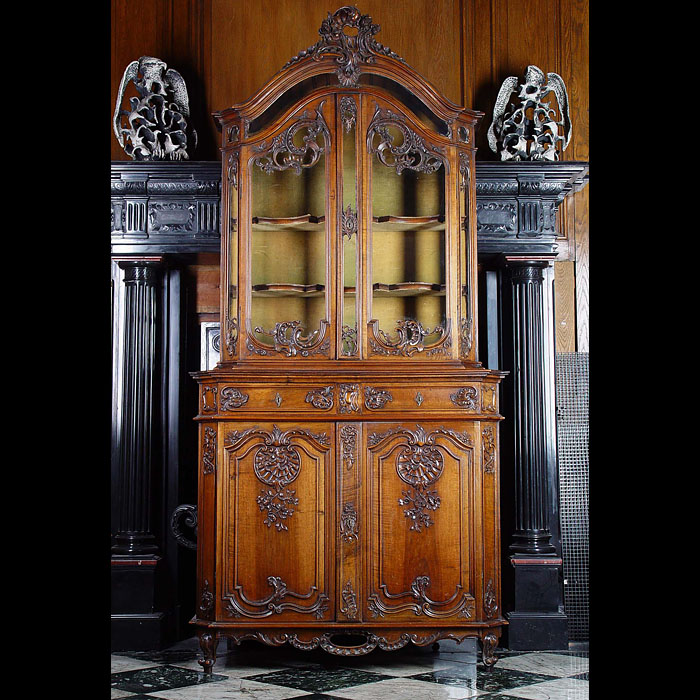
(257, 672)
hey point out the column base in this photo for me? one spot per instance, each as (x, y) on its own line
(537, 631)
(141, 631)
(538, 621)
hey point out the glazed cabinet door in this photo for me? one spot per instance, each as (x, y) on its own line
(423, 519)
(275, 489)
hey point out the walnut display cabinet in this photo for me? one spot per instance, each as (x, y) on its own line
(348, 438)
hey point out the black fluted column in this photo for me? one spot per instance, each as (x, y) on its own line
(537, 620)
(532, 534)
(137, 561)
(142, 281)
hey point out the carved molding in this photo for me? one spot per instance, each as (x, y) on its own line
(209, 451)
(350, 51)
(283, 153)
(413, 153)
(208, 391)
(232, 398)
(320, 398)
(389, 641)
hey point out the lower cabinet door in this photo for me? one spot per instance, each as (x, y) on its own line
(275, 551)
(422, 510)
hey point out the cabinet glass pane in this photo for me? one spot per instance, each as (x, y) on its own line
(348, 112)
(408, 236)
(288, 242)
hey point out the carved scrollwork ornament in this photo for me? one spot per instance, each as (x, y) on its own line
(206, 604)
(289, 339)
(409, 340)
(350, 51)
(209, 451)
(349, 222)
(348, 112)
(376, 398)
(320, 398)
(349, 398)
(349, 527)
(232, 398)
(283, 153)
(186, 514)
(530, 131)
(157, 119)
(275, 603)
(412, 153)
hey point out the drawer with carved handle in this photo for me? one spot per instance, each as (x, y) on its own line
(474, 397)
(232, 398)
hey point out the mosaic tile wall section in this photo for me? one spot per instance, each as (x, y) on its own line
(572, 443)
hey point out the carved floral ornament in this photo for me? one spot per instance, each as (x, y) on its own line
(277, 463)
(419, 464)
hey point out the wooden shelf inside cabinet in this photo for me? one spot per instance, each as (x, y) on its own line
(288, 290)
(305, 222)
(409, 223)
(408, 289)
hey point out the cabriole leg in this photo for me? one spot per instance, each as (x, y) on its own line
(207, 642)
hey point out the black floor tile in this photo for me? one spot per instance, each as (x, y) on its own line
(319, 679)
(505, 679)
(151, 680)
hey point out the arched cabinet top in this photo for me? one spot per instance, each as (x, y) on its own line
(348, 60)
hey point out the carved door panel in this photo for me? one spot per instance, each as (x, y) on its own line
(421, 486)
(276, 487)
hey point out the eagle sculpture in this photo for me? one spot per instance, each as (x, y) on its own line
(156, 126)
(530, 131)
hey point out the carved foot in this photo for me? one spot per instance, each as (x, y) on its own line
(207, 642)
(436, 646)
(488, 649)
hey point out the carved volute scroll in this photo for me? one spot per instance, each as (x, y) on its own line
(350, 52)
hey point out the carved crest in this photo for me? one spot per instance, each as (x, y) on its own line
(350, 51)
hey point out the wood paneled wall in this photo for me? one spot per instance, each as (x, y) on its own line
(227, 49)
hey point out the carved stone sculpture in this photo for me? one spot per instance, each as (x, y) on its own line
(157, 119)
(530, 131)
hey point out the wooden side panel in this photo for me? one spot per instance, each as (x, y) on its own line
(276, 491)
(422, 516)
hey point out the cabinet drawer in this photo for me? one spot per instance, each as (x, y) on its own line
(467, 398)
(226, 399)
